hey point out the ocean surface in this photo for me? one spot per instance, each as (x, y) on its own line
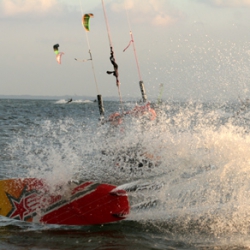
(194, 160)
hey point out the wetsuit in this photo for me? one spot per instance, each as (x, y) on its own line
(115, 65)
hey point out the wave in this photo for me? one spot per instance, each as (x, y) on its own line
(63, 101)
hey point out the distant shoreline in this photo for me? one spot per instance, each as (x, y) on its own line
(106, 98)
(66, 97)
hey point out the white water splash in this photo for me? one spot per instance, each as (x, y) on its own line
(200, 154)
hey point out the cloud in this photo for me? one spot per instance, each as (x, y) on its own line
(154, 12)
(15, 7)
(228, 3)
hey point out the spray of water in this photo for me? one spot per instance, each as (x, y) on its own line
(198, 153)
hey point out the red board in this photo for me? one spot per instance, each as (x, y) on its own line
(84, 203)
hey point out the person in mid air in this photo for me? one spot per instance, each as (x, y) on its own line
(115, 65)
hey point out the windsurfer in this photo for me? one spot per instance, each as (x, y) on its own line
(70, 100)
(115, 65)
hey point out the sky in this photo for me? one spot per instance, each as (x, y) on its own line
(195, 49)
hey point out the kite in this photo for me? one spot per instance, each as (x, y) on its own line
(58, 54)
(85, 21)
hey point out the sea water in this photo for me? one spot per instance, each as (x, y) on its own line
(193, 160)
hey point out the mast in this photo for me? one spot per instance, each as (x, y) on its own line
(141, 84)
(112, 55)
(99, 97)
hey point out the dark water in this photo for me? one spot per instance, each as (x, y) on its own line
(197, 155)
